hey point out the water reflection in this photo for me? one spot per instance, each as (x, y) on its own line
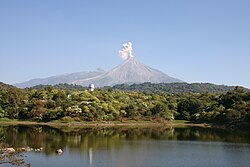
(80, 139)
(130, 146)
(90, 156)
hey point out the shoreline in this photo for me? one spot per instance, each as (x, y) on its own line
(106, 124)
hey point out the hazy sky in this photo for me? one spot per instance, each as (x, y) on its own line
(193, 40)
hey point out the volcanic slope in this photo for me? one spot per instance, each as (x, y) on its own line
(129, 72)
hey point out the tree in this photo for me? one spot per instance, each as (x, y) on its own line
(2, 112)
(233, 115)
(158, 108)
(190, 105)
(161, 110)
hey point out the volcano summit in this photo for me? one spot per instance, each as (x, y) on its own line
(130, 71)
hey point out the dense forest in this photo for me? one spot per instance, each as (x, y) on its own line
(147, 87)
(67, 102)
(180, 87)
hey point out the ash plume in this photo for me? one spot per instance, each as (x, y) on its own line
(126, 51)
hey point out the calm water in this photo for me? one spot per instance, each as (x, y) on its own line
(130, 147)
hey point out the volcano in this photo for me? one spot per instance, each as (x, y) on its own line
(129, 72)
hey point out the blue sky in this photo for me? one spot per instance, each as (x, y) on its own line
(193, 40)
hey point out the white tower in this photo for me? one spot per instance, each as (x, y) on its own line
(91, 87)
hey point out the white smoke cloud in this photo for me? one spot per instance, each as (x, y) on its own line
(126, 51)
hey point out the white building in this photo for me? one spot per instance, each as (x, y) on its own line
(91, 87)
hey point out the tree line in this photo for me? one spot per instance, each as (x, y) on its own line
(48, 103)
(180, 87)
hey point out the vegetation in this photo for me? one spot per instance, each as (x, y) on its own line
(48, 103)
(152, 87)
(176, 87)
(63, 86)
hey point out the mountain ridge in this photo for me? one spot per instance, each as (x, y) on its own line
(64, 78)
(130, 71)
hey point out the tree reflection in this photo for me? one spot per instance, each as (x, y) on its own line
(91, 138)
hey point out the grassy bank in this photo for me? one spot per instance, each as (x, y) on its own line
(102, 123)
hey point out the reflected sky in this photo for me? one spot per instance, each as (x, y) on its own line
(130, 147)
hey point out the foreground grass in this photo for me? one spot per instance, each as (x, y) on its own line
(180, 121)
(73, 123)
(7, 120)
(107, 122)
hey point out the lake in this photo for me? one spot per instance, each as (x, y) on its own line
(130, 146)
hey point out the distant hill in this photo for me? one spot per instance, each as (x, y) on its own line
(9, 92)
(7, 87)
(176, 87)
(64, 86)
(11, 100)
(66, 78)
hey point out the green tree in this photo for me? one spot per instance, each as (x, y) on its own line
(190, 105)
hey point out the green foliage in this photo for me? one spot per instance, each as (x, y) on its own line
(159, 108)
(12, 100)
(62, 86)
(189, 106)
(52, 103)
(185, 115)
(2, 112)
(176, 87)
